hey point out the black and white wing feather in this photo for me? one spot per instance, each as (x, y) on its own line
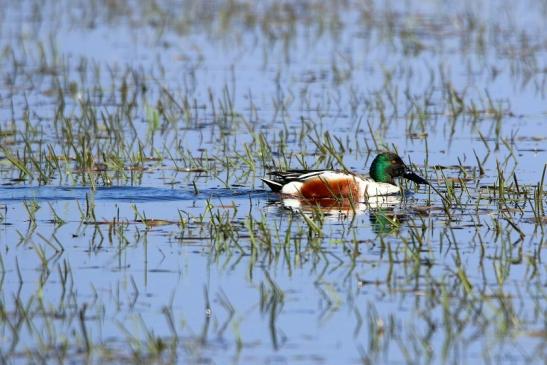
(281, 178)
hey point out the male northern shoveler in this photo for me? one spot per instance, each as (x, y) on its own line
(321, 184)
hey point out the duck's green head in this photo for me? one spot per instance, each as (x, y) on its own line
(387, 166)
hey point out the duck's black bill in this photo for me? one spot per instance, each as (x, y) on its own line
(417, 179)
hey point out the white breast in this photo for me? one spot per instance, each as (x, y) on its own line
(369, 187)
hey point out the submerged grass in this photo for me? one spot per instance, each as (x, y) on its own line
(216, 95)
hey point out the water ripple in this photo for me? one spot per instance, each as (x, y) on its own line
(118, 193)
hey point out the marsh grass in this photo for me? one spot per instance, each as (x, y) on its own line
(216, 96)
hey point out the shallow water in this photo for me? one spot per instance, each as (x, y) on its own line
(134, 225)
(135, 194)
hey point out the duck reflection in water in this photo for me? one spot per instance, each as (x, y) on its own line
(386, 221)
(384, 217)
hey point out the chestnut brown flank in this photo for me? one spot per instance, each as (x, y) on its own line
(318, 188)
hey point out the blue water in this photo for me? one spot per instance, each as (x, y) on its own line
(119, 193)
(353, 293)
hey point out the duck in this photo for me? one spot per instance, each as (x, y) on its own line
(332, 184)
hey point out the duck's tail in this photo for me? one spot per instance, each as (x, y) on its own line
(274, 185)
